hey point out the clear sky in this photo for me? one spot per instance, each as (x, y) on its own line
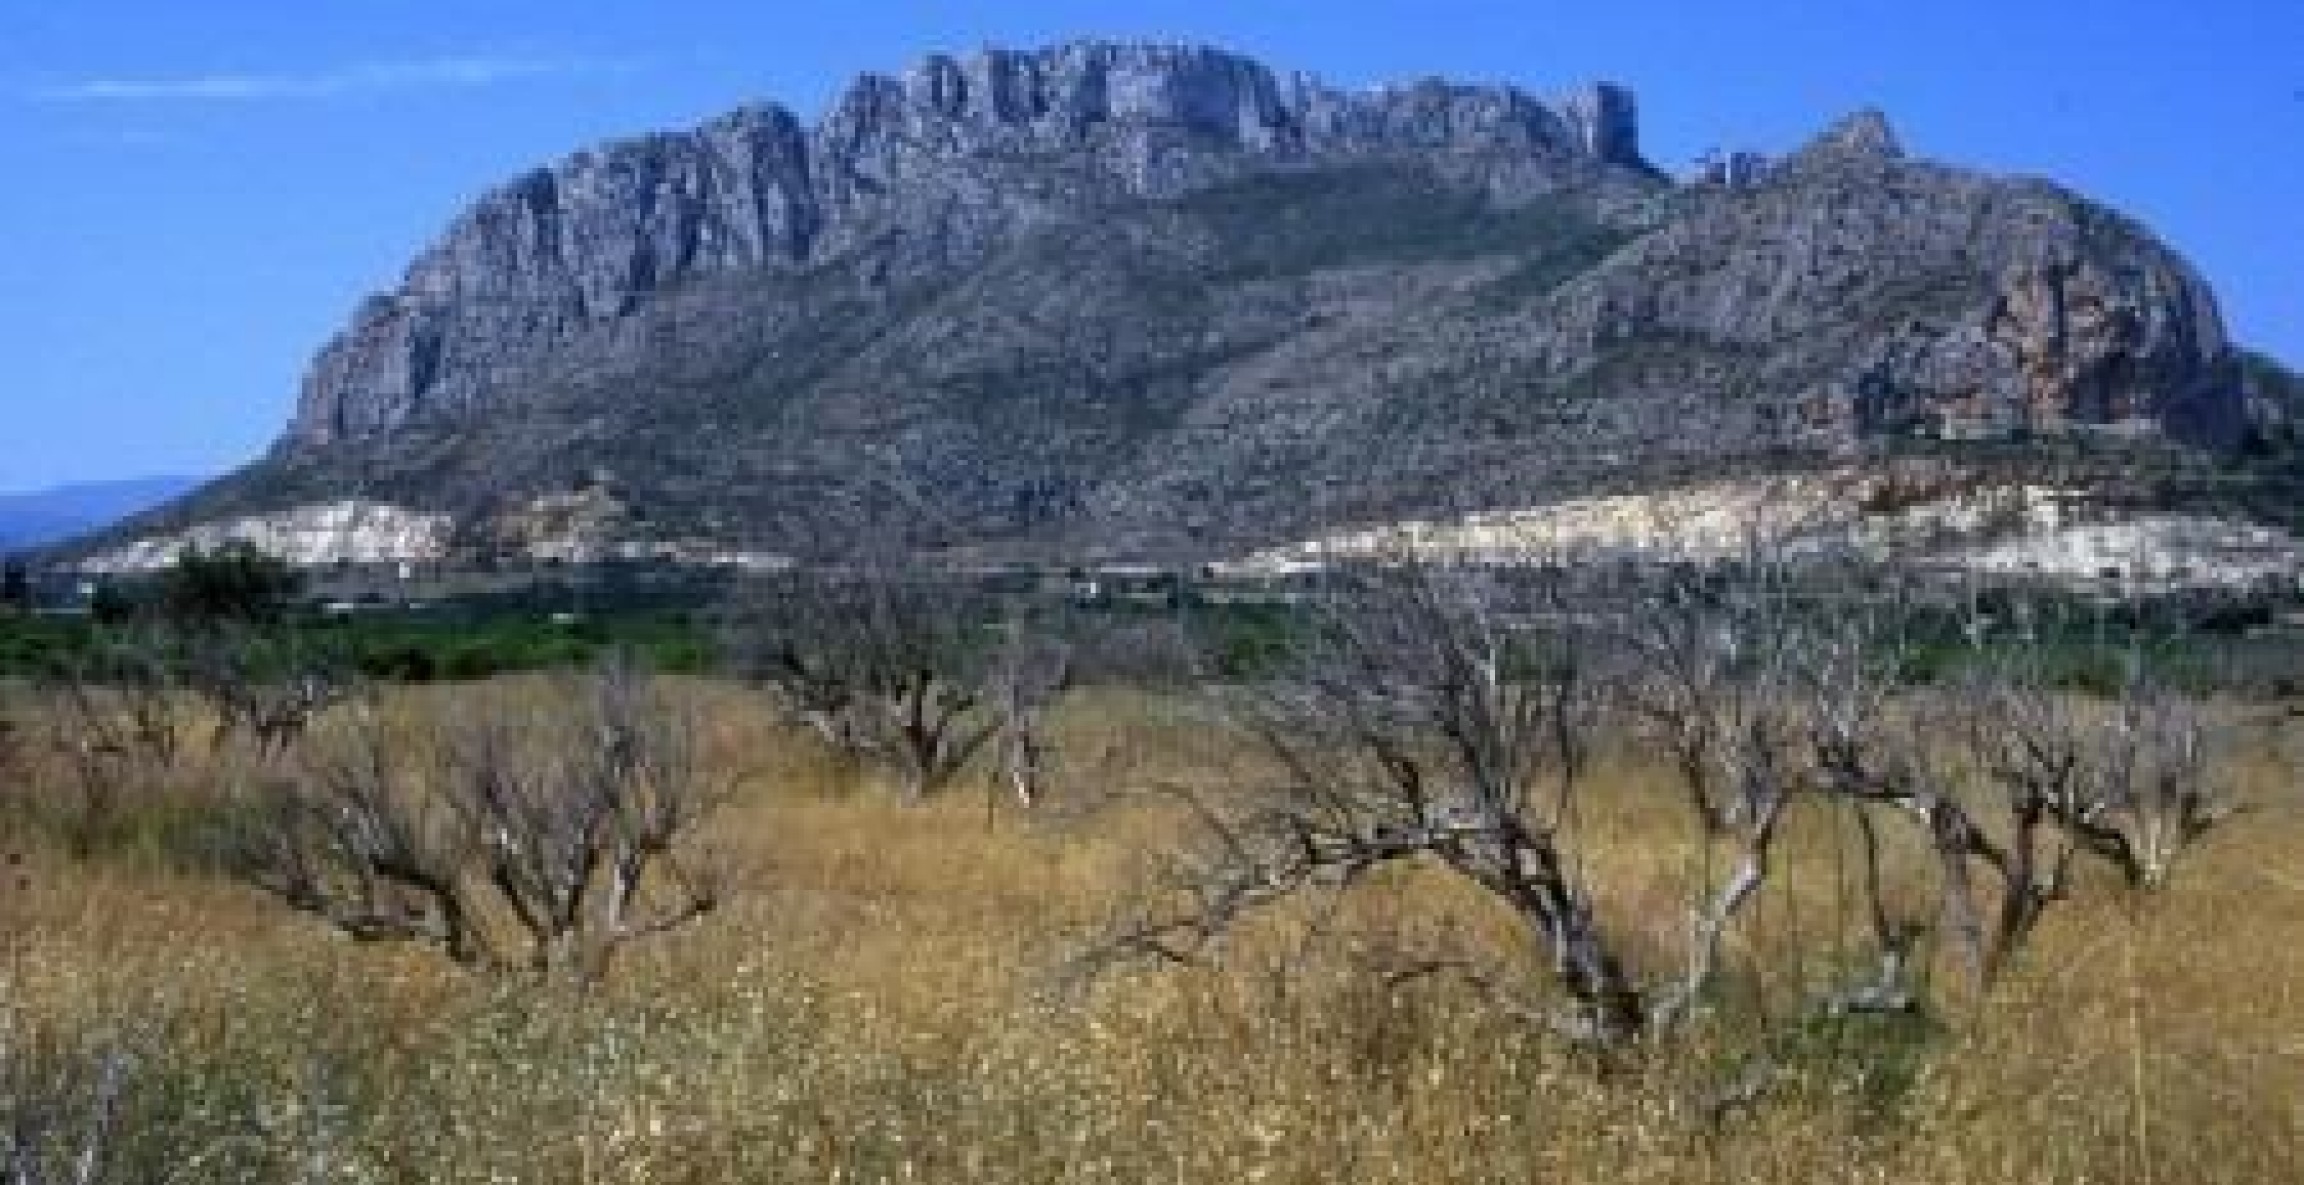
(194, 193)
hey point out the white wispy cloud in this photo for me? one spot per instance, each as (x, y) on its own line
(444, 73)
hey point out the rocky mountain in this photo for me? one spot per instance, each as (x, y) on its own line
(2275, 406)
(1157, 300)
(954, 159)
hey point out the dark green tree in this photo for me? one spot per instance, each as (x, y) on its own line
(15, 584)
(237, 583)
(109, 604)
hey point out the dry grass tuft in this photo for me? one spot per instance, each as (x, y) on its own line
(877, 1003)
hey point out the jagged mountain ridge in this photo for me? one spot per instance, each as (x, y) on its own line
(934, 156)
(1146, 299)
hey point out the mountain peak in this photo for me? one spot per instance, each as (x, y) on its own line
(951, 153)
(1862, 136)
(1122, 294)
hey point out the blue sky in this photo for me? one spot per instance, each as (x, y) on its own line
(194, 194)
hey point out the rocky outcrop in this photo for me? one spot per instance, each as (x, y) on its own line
(2023, 531)
(353, 531)
(953, 155)
(1137, 300)
(2275, 407)
(1874, 294)
(1857, 141)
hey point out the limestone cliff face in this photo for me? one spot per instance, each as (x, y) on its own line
(352, 531)
(1875, 293)
(1163, 300)
(955, 156)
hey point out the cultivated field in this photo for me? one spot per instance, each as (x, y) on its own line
(889, 992)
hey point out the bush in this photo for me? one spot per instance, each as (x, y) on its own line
(15, 584)
(236, 583)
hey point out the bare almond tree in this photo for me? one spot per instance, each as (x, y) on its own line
(572, 848)
(884, 663)
(355, 836)
(2133, 778)
(1027, 674)
(1710, 663)
(1422, 721)
(1875, 747)
(2015, 779)
(120, 718)
(115, 719)
(544, 840)
(125, 695)
(265, 690)
(1443, 715)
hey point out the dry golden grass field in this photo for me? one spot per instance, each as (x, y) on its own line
(884, 997)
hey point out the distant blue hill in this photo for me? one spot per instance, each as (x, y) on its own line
(53, 515)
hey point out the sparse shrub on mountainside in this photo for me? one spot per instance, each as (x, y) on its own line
(2275, 406)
